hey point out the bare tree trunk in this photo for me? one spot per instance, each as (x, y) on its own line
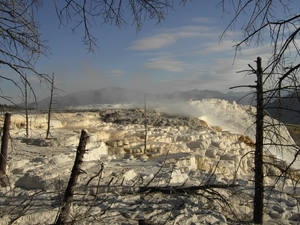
(26, 107)
(50, 107)
(259, 184)
(68, 198)
(146, 126)
(4, 147)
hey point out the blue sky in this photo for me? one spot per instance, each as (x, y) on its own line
(183, 52)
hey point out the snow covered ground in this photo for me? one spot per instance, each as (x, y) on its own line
(217, 151)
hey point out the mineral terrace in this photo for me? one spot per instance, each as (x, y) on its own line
(140, 168)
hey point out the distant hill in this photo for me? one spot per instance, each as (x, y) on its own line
(108, 95)
(201, 94)
(113, 95)
(242, 97)
(287, 110)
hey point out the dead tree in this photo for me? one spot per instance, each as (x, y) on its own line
(258, 159)
(50, 106)
(145, 125)
(279, 29)
(268, 134)
(26, 106)
(68, 197)
(4, 147)
(20, 42)
(258, 199)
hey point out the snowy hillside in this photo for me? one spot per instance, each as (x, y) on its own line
(207, 145)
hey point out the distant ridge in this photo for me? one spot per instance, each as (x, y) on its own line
(107, 95)
(287, 110)
(201, 94)
(113, 95)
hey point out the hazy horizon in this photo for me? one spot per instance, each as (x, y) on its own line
(184, 52)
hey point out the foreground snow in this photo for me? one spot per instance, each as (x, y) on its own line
(39, 169)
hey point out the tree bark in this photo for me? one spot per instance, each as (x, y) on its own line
(50, 107)
(185, 189)
(26, 106)
(68, 197)
(259, 184)
(145, 126)
(4, 147)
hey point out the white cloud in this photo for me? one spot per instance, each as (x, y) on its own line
(216, 47)
(116, 73)
(171, 36)
(157, 41)
(220, 73)
(165, 63)
(252, 53)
